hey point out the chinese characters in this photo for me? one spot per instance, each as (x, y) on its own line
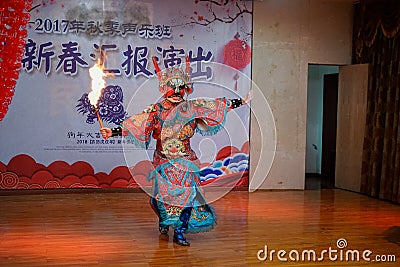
(135, 59)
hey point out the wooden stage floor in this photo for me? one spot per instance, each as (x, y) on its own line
(120, 229)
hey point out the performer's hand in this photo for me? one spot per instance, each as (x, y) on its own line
(106, 133)
(248, 97)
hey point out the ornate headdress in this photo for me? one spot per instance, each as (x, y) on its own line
(174, 79)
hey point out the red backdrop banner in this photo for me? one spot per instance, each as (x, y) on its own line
(14, 15)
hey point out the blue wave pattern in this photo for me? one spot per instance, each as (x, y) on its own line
(109, 106)
(237, 163)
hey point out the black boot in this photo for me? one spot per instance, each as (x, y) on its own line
(179, 238)
(162, 228)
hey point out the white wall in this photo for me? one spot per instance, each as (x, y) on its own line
(288, 35)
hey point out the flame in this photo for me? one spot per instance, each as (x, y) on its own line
(98, 82)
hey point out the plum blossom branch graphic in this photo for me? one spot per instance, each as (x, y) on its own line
(240, 11)
(213, 11)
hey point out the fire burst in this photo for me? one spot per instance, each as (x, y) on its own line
(98, 83)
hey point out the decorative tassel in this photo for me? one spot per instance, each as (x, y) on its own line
(236, 78)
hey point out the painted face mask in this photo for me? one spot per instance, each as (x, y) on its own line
(174, 82)
(176, 88)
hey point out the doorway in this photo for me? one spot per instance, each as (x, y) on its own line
(322, 92)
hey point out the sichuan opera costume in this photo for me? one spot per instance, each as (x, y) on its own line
(177, 197)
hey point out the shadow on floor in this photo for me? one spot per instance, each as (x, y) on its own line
(392, 235)
(316, 182)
